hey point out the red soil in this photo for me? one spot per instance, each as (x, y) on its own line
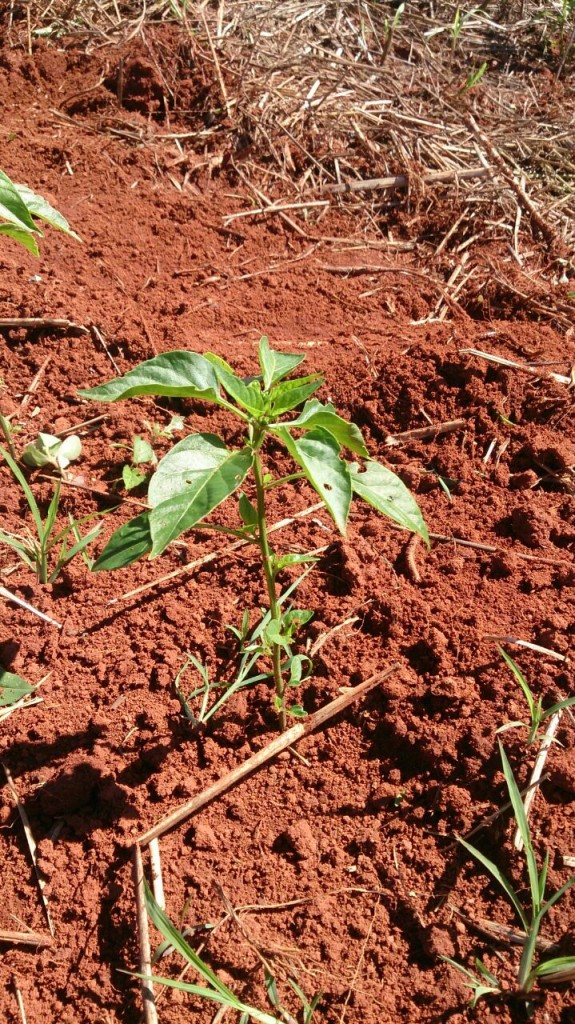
(364, 834)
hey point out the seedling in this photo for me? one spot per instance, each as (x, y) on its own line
(555, 971)
(48, 450)
(200, 472)
(474, 77)
(34, 551)
(251, 647)
(142, 454)
(176, 425)
(18, 207)
(537, 714)
(213, 989)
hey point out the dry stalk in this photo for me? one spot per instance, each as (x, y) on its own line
(31, 842)
(424, 433)
(260, 758)
(9, 596)
(35, 939)
(527, 643)
(145, 953)
(540, 760)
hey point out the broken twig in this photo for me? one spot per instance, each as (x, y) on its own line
(260, 758)
(537, 772)
(403, 180)
(31, 844)
(145, 953)
(423, 433)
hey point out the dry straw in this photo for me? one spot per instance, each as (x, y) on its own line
(308, 97)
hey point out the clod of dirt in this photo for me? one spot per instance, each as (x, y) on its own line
(205, 838)
(437, 942)
(299, 841)
(527, 527)
(562, 772)
(523, 481)
(383, 795)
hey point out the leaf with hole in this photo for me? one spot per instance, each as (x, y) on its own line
(382, 489)
(318, 455)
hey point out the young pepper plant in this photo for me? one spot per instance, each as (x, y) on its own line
(200, 471)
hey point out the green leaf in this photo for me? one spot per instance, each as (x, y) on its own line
(190, 482)
(474, 982)
(32, 503)
(557, 895)
(126, 545)
(315, 414)
(143, 452)
(276, 365)
(26, 551)
(70, 449)
(295, 618)
(21, 235)
(39, 207)
(185, 465)
(248, 395)
(50, 519)
(295, 666)
(81, 544)
(216, 990)
(49, 450)
(286, 560)
(558, 707)
(274, 634)
(287, 396)
(248, 512)
(557, 971)
(296, 711)
(173, 374)
(12, 688)
(13, 208)
(132, 477)
(318, 455)
(380, 487)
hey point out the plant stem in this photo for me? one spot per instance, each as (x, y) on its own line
(5, 428)
(267, 561)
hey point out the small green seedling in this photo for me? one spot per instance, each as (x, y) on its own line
(251, 647)
(18, 208)
(474, 78)
(34, 550)
(212, 988)
(201, 472)
(142, 454)
(554, 971)
(176, 425)
(536, 712)
(48, 450)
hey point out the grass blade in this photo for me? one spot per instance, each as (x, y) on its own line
(523, 826)
(32, 504)
(521, 680)
(499, 877)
